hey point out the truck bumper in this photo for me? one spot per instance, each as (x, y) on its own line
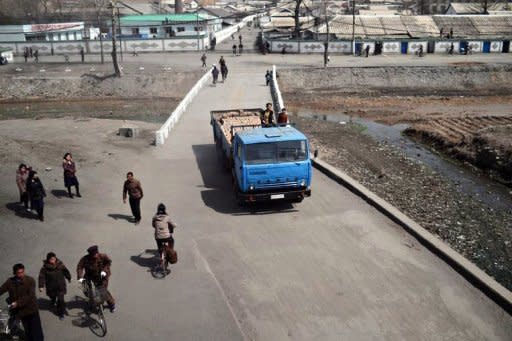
(292, 195)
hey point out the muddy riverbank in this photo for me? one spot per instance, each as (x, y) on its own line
(479, 232)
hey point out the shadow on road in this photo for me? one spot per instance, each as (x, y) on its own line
(117, 216)
(218, 193)
(146, 258)
(60, 193)
(20, 211)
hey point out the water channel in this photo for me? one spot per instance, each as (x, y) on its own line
(469, 182)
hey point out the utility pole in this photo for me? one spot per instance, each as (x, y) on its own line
(326, 44)
(117, 70)
(354, 27)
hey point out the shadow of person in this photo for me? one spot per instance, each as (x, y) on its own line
(46, 304)
(117, 216)
(20, 211)
(146, 258)
(60, 193)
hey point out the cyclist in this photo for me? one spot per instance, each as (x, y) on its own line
(95, 268)
(22, 295)
(164, 228)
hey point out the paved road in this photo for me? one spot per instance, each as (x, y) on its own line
(330, 268)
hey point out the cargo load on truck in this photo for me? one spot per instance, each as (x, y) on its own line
(266, 163)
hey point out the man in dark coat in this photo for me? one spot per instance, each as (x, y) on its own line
(22, 295)
(133, 188)
(36, 193)
(53, 276)
(95, 268)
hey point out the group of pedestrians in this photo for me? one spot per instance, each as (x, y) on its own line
(240, 46)
(223, 71)
(28, 52)
(21, 288)
(31, 188)
(268, 120)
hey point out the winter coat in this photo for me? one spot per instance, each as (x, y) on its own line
(163, 226)
(215, 72)
(53, 277)
(90, 268)
(133, 188)
(21, 180)
(69, 168)
(23, 292)
(35, 189)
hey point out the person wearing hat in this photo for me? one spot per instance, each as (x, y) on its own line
(23, 302)
(95, 268)
(53, 276)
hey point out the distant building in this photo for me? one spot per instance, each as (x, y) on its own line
(42, 32)
(479, 8)
(163, 25)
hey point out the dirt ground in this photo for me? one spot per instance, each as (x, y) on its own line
(474, 129)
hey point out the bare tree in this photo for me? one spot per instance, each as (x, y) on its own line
(296, 17)
(113, 5)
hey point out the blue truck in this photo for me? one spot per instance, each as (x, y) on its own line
(266, 164)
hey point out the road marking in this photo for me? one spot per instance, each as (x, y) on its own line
(199, 256)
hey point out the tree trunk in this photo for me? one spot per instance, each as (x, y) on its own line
(296, 16)
(117, 70)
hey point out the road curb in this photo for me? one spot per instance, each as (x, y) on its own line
(485, 283)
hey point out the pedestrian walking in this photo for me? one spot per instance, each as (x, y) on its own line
(133, 188)
(94, 268)
(53, 276)
(452, 47)
(36, 56)
(203, 59)
(367, 50)
(240, 38)
(25, 54)
(234, 49)
(22, 300)
(70, 178)
(36, 193)
(215, 73)
(82, 54)
(233, 37)
(30, 52)
(268, 77)
(240, 49)
(21, 182)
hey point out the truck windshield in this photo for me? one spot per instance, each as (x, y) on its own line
(275, 152)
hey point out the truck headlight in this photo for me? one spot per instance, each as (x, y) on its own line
(302, 183)
(251, 187)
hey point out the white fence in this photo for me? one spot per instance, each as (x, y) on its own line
(276, 93)
(162, 133)
(227, 32)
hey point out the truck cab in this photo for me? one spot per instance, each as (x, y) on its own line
(270, 164)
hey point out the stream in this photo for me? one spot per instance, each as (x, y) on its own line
(467, 181)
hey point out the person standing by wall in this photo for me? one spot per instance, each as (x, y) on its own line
(21, 182)
(70, 178)
(22, 298)
(36, 194)
(52, 276)
(36, 56)
(25, 54)
(203, 59)
(133, 188)
(82, 55)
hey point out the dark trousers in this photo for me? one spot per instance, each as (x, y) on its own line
(32, 327)
(61, 304)
(135, 206)
(160, 243)
(102, 287)
(38, 205)
(24, 199)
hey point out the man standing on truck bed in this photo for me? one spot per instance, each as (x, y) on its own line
(267, 116)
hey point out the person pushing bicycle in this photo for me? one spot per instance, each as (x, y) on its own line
(95, 268)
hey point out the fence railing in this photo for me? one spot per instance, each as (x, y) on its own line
(163, 133)
(276, 93)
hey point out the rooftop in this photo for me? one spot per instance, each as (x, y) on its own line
(182, 17)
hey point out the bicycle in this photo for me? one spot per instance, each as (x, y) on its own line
(161, 268)
(10, 326)
(95, 296)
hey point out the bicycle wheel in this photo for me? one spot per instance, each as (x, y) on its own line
(158, 271)
(99, 325)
